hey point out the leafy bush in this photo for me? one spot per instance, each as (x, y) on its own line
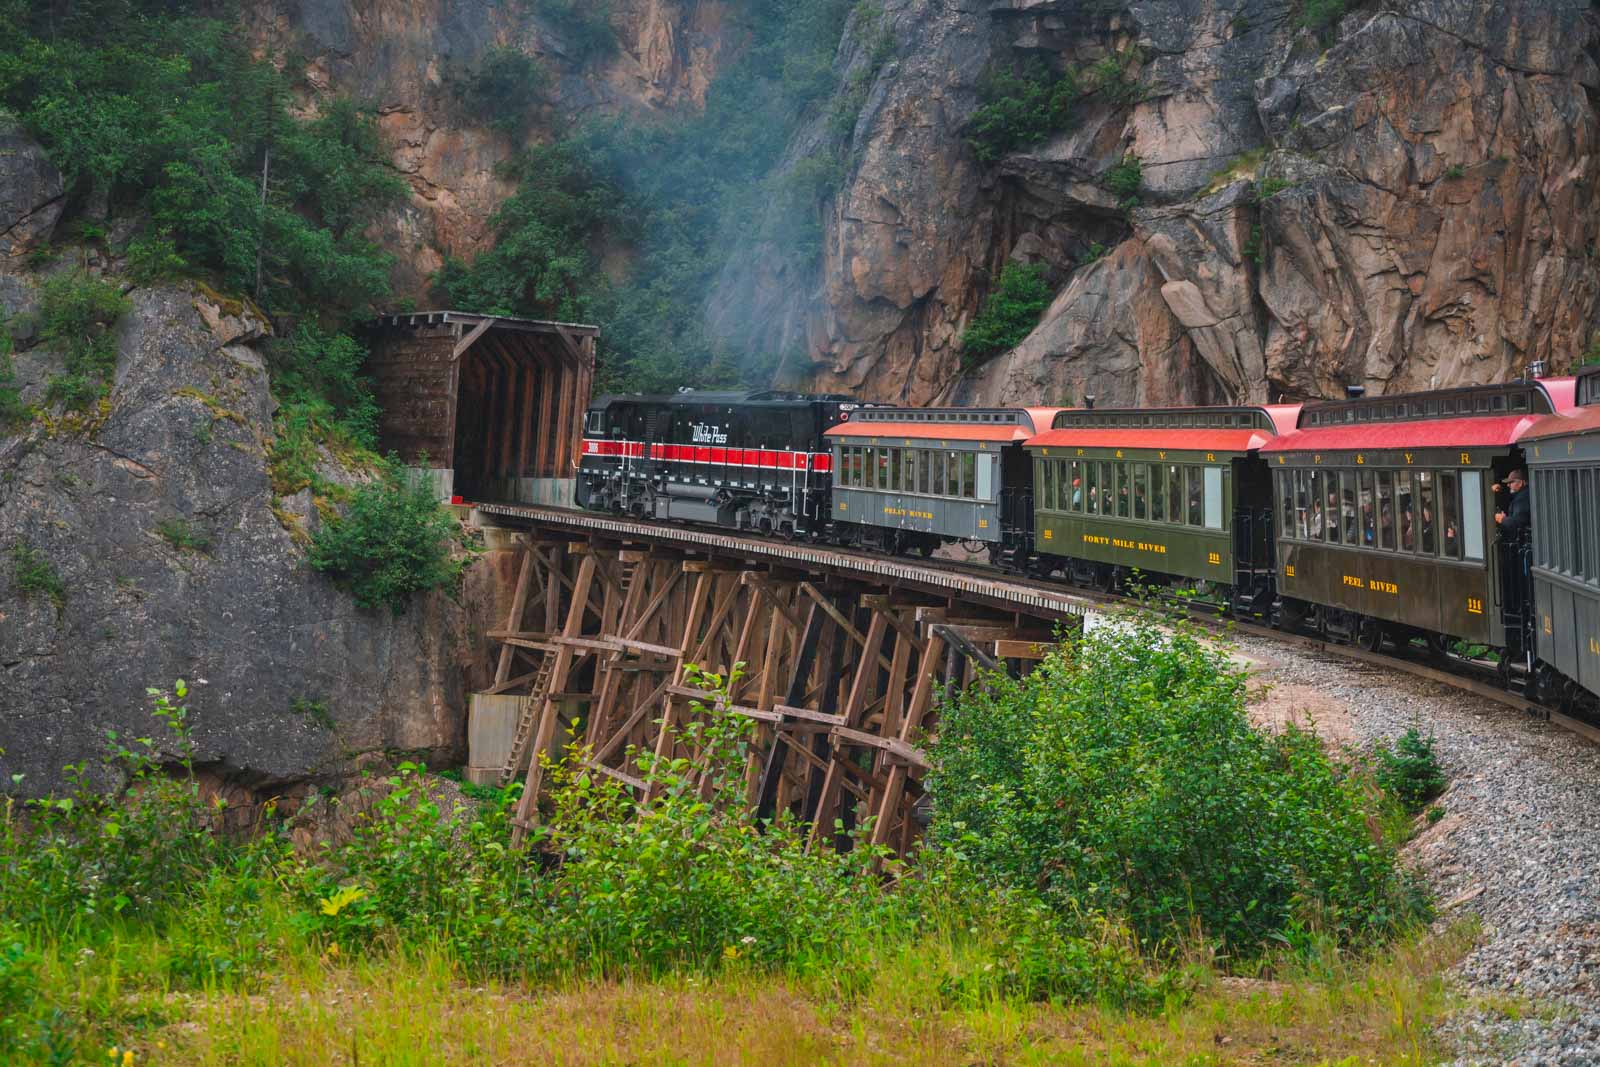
(1321, 15)
(1125, 180)
(540, 262)
(162, 107)
(503, 87)
(1123, 778)
(1409, 770)
(184, 535)
(1010, 313)
(1022, 109)
(1019, 109)
(153, 258)
(86, 855)
(13, 412)
(393, 541)
(77, 312)
(33, 575)
(319, 375)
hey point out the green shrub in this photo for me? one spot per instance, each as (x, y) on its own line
(1122, 778)
(1009, 314)
(1409, 770)
(1125, 180)
(320, 375)
(13, 412)
(503, 87)
(163, 107)
(540, 262)
(1321, 15)
(393, 541)
(33, 575)
(77, 312)
(586, 24)
(153, 258)
(1267, 188)
(86, 855)
(183, 535)
(1019, 110)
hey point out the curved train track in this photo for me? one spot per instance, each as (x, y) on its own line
(1034, 595)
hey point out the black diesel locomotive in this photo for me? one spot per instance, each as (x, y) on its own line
(1368, 520)
(746, 461)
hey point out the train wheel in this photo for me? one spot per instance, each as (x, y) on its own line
(1369, 634)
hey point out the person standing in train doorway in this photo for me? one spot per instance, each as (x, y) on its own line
(1518, 515)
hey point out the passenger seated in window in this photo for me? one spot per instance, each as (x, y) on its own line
(1517, 517)
(1408, 534)
(1316, 519)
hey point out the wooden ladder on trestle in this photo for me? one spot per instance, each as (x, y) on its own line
(528, 718)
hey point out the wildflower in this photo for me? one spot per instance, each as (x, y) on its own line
(731, 952)
(747, 939)
(127, 1058)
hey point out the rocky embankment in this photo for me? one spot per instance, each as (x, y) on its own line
(1515, 847)
(158, 550)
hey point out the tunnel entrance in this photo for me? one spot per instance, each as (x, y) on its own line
(489, 408)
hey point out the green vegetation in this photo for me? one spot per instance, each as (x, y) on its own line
(13, 412)
(585, 24)
(394, 540)
(1020, 108)
(1267, 188)
(503, 87)
(184, 535)
(1320, 16)
(1126, 780)
(1125, 180)
(32, 575)
(680, 195)
(78, 311)
(1009, 314)
(1108, 836)
(157, 107)
(1254, 249)
(1409, 771)
(1587, 358)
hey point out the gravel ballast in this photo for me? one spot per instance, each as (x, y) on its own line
(1519, 844)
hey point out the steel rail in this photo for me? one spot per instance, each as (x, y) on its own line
(1035, 596)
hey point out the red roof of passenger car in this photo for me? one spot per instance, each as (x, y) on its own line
(1474, 432)
(1583, 420)
(948, 431)
(1189, 440)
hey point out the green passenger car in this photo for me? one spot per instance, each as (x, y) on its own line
(1386, 512)
(1564, 467)
(1174, 495)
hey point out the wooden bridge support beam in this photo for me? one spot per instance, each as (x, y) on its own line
(841, 681)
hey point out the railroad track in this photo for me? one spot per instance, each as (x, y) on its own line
(1033, 595)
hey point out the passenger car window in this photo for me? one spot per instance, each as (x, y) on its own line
(1213, 498)
(1472, 514)
(969, 475)
(1196, 497)
(1141, 490)
(1386, 525)
(1449, 515)
(1092, 487)
(1427, 518)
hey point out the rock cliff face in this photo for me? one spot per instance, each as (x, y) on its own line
(1401, 201)
(405, 58)
(156, 520)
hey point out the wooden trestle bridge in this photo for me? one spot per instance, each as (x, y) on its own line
(845, 656)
